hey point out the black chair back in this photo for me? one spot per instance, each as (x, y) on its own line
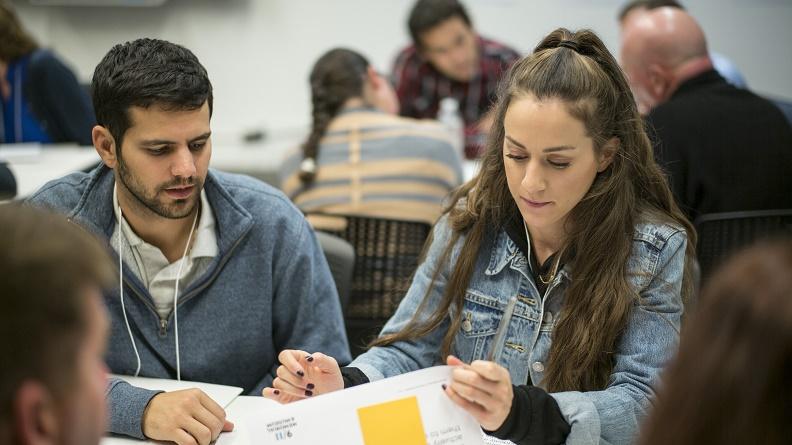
(721, 234)
(387, 252)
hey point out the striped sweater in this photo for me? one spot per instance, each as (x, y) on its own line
(371, 163)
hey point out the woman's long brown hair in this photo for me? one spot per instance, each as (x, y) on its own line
(15, 41)
(599, 229)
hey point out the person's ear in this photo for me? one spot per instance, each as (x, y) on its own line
(373, 78)
(35, 415)
(105, 145)
(659, 82)
(608, 153)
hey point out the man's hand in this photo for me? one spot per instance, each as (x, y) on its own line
(187, 417)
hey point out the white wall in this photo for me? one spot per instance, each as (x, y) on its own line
(258, 52)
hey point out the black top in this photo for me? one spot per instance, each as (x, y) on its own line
(8, 187)
(724, 148)
(516, 231)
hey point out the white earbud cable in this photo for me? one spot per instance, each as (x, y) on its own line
(121, 289)
(175, 296)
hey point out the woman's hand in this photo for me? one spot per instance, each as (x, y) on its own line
(303, 375)
(483, 389)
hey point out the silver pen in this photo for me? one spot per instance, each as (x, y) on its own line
(495, 348)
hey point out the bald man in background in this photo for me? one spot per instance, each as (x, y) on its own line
(724, 148)
(723, 65)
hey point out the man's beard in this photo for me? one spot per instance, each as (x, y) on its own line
(150, 201)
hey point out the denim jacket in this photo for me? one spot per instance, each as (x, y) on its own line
(268, 289)
(610, 416)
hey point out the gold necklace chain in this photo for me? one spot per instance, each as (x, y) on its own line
(554, 271)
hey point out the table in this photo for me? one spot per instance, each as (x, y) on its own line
(34, 165)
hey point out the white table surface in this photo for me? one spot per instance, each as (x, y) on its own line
(33, 166)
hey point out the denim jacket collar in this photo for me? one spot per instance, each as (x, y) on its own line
(505, 252)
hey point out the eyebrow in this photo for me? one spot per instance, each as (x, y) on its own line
(167, 142)
(546, 150)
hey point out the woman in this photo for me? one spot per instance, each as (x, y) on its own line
(40, 96)
(570, 240)
(730, 383)
(361, 158)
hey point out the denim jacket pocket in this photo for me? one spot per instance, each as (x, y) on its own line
(481, 316)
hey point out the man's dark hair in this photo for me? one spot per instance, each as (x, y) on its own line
(143, 73)
(426, 14)
(47, 264)
(647, 4)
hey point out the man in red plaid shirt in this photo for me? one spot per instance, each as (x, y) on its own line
(449, 59)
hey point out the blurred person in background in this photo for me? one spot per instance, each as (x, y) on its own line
(362, 159)
(448, 58)
(724, 148)
(42, 101)
(723, 65)
(730, 383)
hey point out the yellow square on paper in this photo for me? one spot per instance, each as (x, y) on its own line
(392, 423)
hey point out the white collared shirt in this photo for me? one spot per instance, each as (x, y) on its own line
(151, 266)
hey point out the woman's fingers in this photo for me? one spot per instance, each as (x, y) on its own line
(291, 359)
(325, 363)
(490, 370)
(473, 408)
(279, 396)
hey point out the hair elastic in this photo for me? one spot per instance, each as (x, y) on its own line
(569, 44)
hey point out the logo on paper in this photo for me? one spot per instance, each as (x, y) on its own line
(281, 429)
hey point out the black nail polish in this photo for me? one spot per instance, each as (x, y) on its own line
(276, 391)
(444, 386)
(309, 358)
(309, 393)
(300, 373)
(310, 386)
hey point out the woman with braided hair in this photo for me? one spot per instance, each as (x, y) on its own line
(360, 158)
(554, 283)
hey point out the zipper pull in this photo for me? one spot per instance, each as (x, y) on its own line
(163, 327)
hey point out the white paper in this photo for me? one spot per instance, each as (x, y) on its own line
(244, 412)
(335, 417)
(221, 394)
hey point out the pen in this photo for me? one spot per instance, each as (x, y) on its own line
(495, 348)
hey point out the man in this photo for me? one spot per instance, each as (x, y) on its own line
(244, 266)
(53, 330)
(724, 148)
(721, 63)
(449, 59)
